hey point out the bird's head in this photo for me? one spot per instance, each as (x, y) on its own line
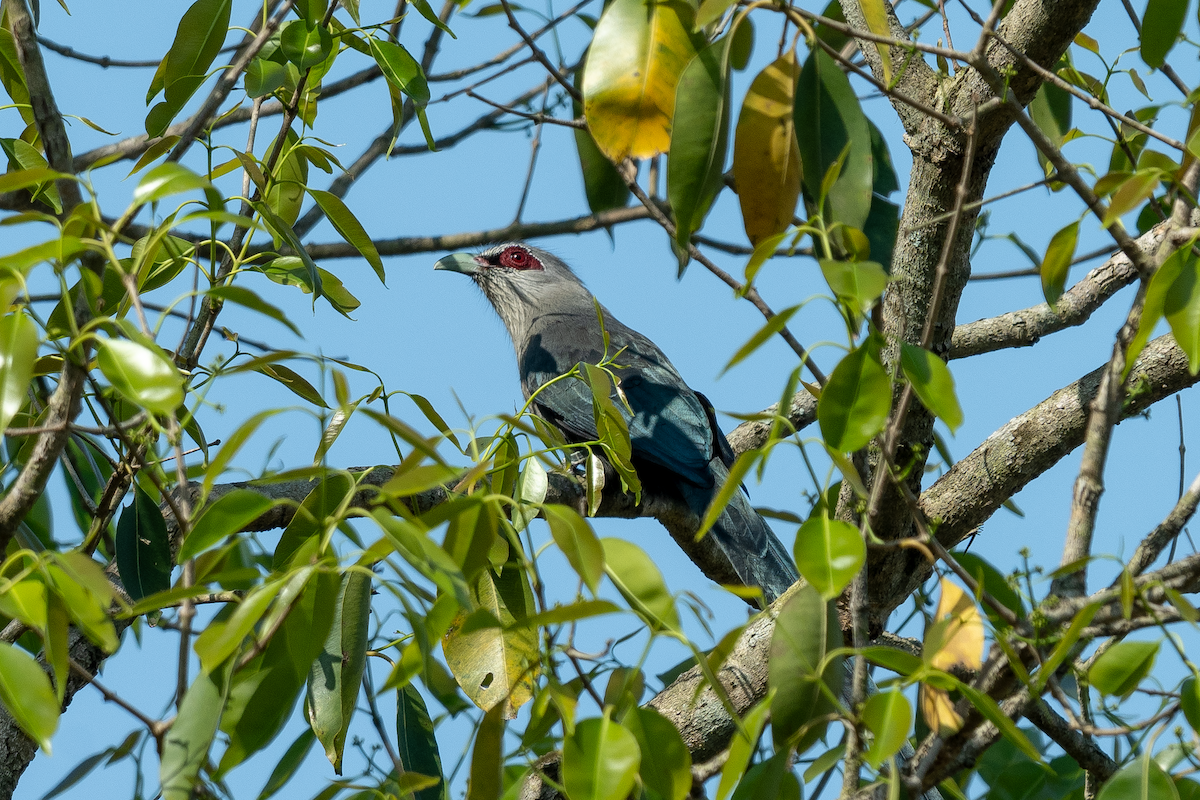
(504, 261)
(521, 281)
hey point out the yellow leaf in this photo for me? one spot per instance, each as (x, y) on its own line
(492, 659)
(938, 711)
(956, 636)
(637, 54)
(766, 157)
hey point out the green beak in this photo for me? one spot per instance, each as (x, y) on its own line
(463, 263)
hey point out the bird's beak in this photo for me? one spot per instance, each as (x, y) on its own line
(463, 263)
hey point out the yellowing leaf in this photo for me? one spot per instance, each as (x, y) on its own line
(766, 157)
(938, 711)
(956, 635)
(494, 660)
(639, 50)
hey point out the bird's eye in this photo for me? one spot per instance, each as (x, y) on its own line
(518, 258)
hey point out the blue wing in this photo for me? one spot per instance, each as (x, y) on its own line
(670, 426)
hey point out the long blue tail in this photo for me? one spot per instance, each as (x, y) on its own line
(755, 554)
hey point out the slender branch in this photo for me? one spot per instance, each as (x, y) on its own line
(1027, 326)
(64, 404)
(1165, 532)
(538, 54)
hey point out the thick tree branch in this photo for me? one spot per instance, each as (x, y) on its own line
(63, 405)
(1027, 326)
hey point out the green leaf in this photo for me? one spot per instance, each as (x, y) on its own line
(1050, 110)
(23, 156)
(1122, 667)
(18, 353)
(829, 553)
(264, 77)
(304, 46)
(888, 715)
(763, 252)
(401, 70)
(1189, 701)
(228, 515)
(640, 583)
(828, 120)
(25, 600)
(292, 758)
(991, 711)
(286, 268)
(426, 11)
(772, 327)
(666, 764)
(316, 515)
(242, 296)
(600, 760)
(992, 582)
(223, 637)
(766, 158)
(415, 480)
(612, 426)
(166, 180)
(560, 615)
(897, 661)
(1161, 25)
(415, 741)
(336, 676)
(1181, 306)
(1130, 193)
(350, 229)
(285, 194)
(578, 543)
(710, 11)
(638, 53)
(1161, 285)
(931, 380)
(700, 133)
(25, 691)
(857, 284)
(854, 404)
(142, 373)
(293, 381)
(197, 41)
(264, 691)
(87, 595)
(1057, 262)
(185, 747)
(771, 778)
(143, 547)
(1140, 779)
(487, 758)
(799, 670)
(743, 745)
(29, 178)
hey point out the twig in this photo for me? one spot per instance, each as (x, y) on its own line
(538, 54)
(156, 727)
(539, 118)
(629, 173)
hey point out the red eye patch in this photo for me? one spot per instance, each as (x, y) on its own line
(518, 258)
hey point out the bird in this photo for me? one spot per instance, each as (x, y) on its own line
(678, 451)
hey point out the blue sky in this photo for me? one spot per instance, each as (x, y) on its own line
(434, 334)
